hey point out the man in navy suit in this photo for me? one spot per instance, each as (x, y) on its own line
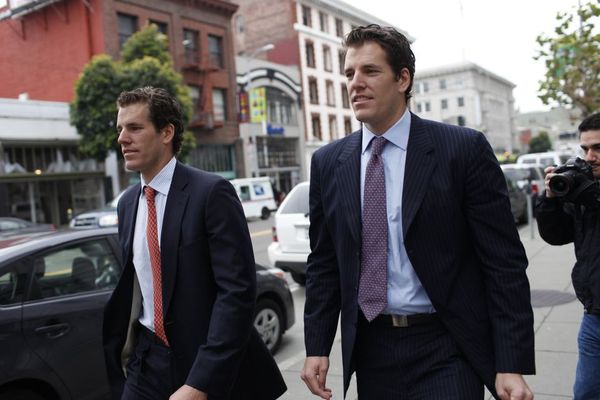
(179, 324)
(431, 287)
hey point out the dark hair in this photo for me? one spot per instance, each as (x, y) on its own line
(163, 109)
(591, 123)
(395, 44)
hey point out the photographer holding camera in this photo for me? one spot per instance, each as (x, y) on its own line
(570, 212)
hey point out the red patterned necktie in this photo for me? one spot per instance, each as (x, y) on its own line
(154, 250)
(372, 289)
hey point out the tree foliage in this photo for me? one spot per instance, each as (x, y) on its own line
(540, 143)
(572, 60)
(145, 61)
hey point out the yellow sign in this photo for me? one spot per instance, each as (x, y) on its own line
(258, 105)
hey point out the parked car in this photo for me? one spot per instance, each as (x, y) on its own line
(518, 200)
(100, 218)
(290, 247)
(526, 174)
(545, 159)
(53, 289)
(10, 225)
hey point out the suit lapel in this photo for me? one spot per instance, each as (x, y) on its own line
(130, 208)
(171, 228)
(347, 176)
(419, 166)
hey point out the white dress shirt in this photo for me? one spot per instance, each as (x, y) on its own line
(161, 183)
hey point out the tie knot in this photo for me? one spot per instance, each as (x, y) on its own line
(149, 193)
(377, 145)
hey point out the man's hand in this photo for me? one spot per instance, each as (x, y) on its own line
(314, 374)
(549, 171)
(188, 393)
(512, 387)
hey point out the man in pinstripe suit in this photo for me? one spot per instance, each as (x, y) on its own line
(455, 312)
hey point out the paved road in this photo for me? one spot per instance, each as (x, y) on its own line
(556, 310)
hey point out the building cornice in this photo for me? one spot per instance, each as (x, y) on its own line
(460, 67)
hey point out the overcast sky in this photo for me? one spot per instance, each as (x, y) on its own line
(499, 35)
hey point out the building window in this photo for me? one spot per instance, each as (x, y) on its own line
(427, 106)
(213, 158)
(347, 126)
(281, 108)
(425, 87)
(162, 27)
(419, 108)
(306, 16)
(219, 104)
(327, 58)
(310, 54)
(324, 22)
(341, 57)
(418, 87)
(345, 99)
(313, 91)
(339, 27)
(461, 121)
(128, 25)
(330, 93)
(444, 104)
(215, 51)
(239, 24)
(191, 46)
(461, 101)
(333, 131)
(442, 84)
(315, 122)
(277, 151)
(196, 95)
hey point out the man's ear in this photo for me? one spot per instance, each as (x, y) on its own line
(168, 133)
(403, 80)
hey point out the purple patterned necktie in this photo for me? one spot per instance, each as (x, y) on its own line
(372, 291)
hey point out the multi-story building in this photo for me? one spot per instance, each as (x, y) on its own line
(43, 178)
(307, 33)
(271, 123)
(466, 94)
(47, 43)
(559, 123)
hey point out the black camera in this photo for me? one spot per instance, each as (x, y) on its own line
(571, 178)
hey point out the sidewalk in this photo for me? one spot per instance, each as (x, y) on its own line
(557, 317)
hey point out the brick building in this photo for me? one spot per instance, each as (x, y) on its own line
(46, 44)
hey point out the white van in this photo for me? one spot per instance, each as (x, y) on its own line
(256, 195)
(544, 159)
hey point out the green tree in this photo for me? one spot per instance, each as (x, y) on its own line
(540, 143)
(572, 62)
(145, 61)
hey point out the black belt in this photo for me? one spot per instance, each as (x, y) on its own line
(405, 321)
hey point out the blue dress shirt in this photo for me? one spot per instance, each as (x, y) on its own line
(405, 292)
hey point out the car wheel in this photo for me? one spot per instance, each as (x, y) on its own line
(265, 213)
(299, 278)
(21, 394)
(268, 323)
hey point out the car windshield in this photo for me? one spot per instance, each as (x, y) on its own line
(297, 203)
(517, 174)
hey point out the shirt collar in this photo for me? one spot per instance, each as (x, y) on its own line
(397, 134)
(162, 181)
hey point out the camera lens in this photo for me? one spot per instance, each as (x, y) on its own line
(560, 185)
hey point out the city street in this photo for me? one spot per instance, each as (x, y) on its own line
(556, 310)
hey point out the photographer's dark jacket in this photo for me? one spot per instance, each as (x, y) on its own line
(559, 223)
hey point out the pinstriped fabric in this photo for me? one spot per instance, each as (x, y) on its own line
(154, 249)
